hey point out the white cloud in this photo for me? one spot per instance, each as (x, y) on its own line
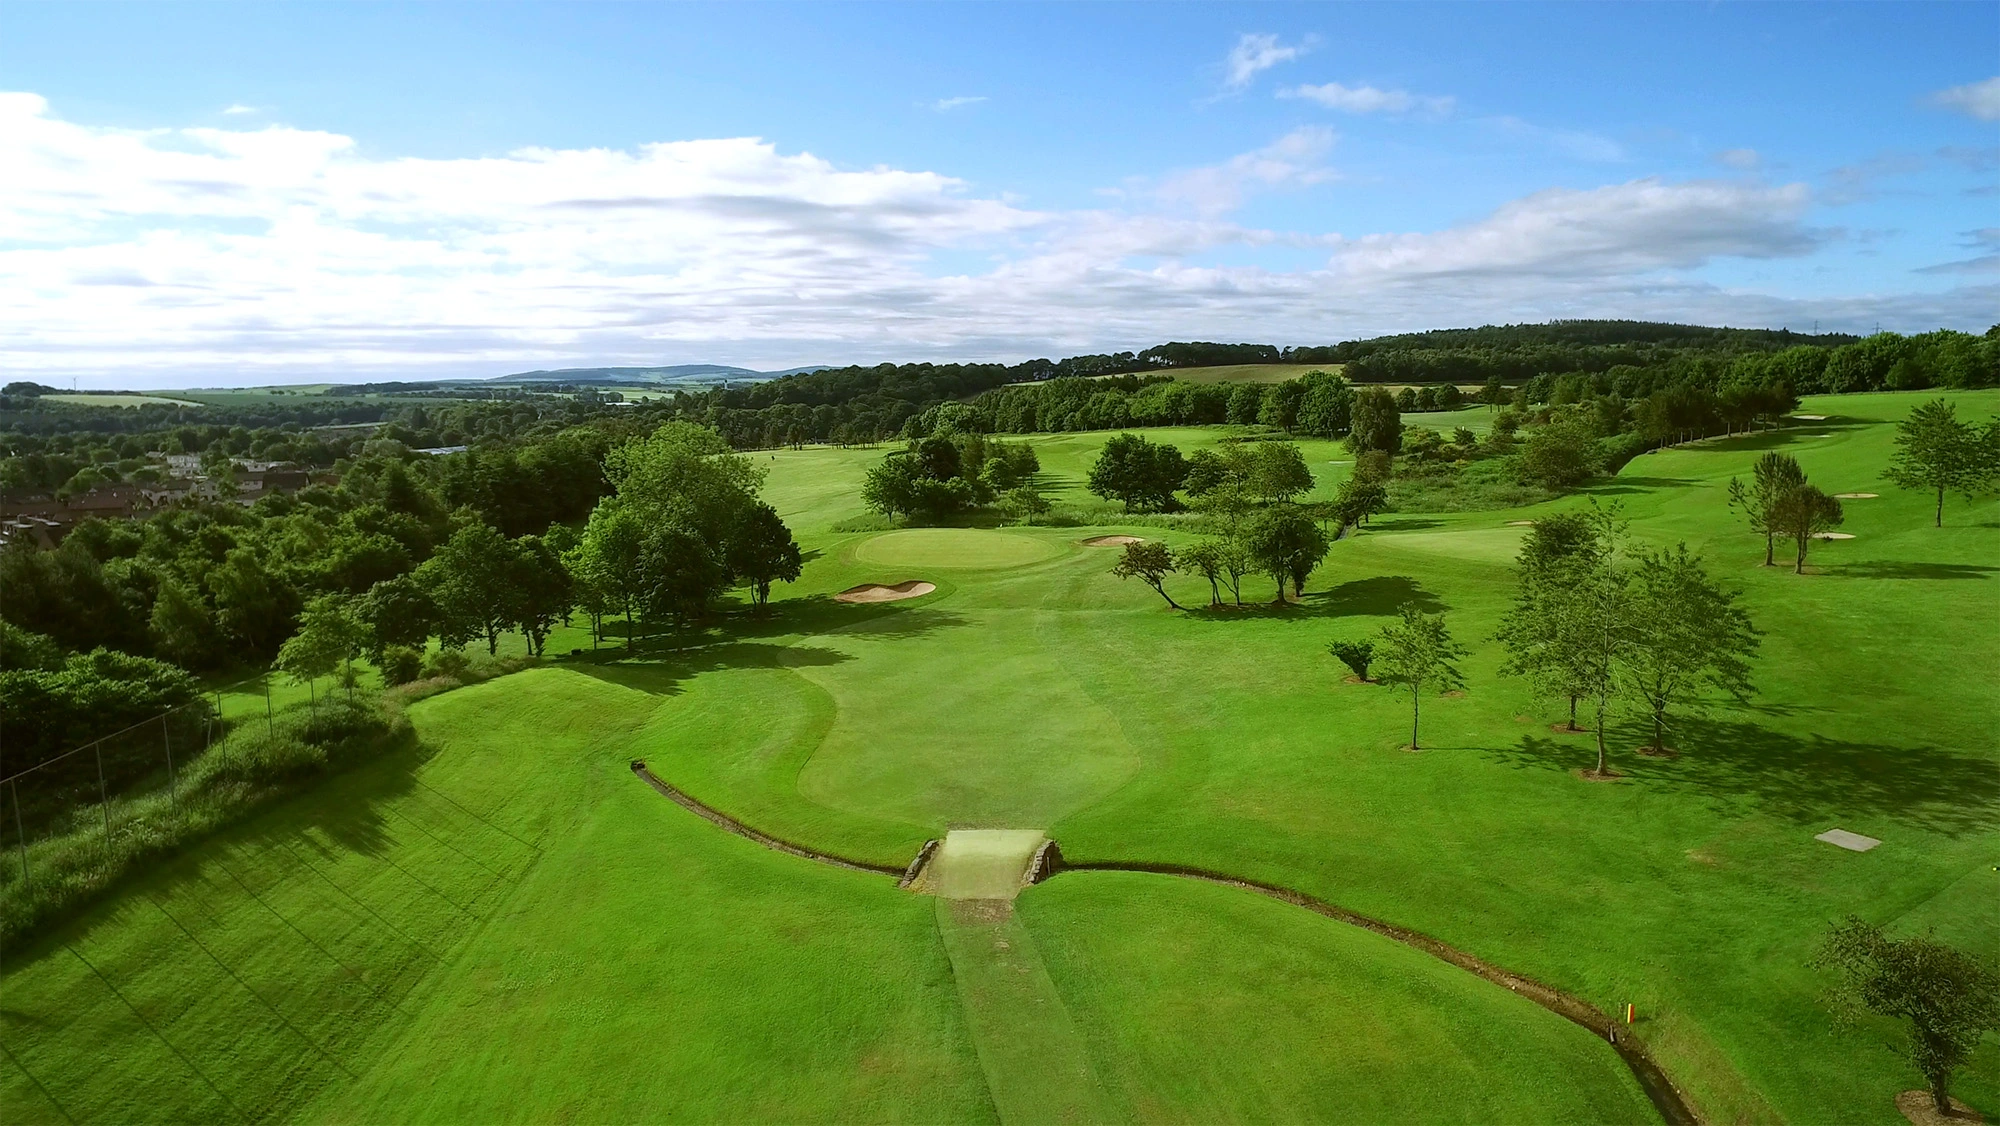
(1296, 159)
(1630, 228)
(238, 109)
(1256, 53)
(165, 257)
(1745, 159)
(1368, 99)
(1980, 99)
(943, 105)
(1985, 239)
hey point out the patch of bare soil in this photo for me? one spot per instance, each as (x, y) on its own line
(1455, 694)
(876, 592)
(1593, 775)
(1566, 729)
(1918, 1108)
(1111, 541)
(1658, 752)
(1810, 417)
(1856, 496)
(1355, 680)
(1701, 857)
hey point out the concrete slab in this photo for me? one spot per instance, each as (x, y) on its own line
(1852, 842)
(982, 863)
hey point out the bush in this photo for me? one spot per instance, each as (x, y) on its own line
(401, 664)
(446, 663)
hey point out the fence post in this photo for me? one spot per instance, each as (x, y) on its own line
(268, 729)
(20, 827)
(103, 792)
(167, 744)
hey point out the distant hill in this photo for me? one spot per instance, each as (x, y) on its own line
(677, 374)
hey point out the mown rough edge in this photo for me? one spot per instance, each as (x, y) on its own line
(723, 820)
(1047, 862)
(917, 866)
(1667, 1098)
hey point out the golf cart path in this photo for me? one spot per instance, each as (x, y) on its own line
(1045, 1042)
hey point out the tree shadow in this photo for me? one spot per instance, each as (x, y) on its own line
(1402, 524)
(1627, 486)
(1383, 595)
(1810, 780)
(1883, 569)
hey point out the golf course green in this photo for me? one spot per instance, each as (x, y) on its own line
(505, 925)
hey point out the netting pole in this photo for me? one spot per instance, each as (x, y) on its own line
(103, 792)
(20, 828)
(268, 729)
(167, 744)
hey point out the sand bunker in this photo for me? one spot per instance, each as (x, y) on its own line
(1111, 541)
(876, 592)
(1520, 523)
(1856, 496)
(1833, 535)
(1810, 417)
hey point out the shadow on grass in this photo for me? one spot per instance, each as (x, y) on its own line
(1628, 486)
(1401, 524)
(1805, 779)
(1382, 595)
(661, 662)
(1883, 569)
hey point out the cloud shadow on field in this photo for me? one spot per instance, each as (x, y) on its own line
(1884, 569)
(1812, 780)
(1383, 595)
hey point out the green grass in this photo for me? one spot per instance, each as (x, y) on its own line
(512, 928)
(1247, 373)
(1210, 1004)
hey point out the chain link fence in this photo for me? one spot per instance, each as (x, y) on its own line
(102, 786)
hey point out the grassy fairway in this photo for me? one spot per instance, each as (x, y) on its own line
(510, 930)
(1210, 1004)
(515, 929)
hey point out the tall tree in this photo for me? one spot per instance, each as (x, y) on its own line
(1279, 472)
(1376, 424)
(1936, 451)
(762, 551)
(397, 611)
(1774, 477)
(1686, 637)
(468, 580)
(329, 637)
(1950, 998)
(1140, 473)
(1205, 558)
(607, 561)
(1803, 513)
(1287, 543)
(1151, 562)
(1417, 653)
(540, 591)
(1541, 631)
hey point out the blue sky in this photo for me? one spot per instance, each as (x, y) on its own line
(223, 194)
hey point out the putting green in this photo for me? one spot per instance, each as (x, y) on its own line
(916, 737)
(957, 548)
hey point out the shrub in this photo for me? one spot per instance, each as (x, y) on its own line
(1355, 655)
(447, 663)
(401, 664)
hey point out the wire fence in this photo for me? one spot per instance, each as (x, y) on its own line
(106, 783)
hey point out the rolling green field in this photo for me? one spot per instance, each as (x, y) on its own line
(111, 399)
(506, 925)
